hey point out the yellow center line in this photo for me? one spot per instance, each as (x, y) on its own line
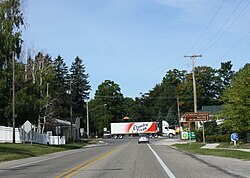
(90, 163)
(80, 167)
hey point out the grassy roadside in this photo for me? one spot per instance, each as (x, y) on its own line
(195, 148)
(10, 151)
(238, 146)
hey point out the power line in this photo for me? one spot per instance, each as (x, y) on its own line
(224, 32)
(211, 42)
(221, 28)
(206, 28)
(195, 43)
(235, 45)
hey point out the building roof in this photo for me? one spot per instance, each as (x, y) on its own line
(214, 109)
(63, 123)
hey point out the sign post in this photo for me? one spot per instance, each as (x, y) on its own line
(189, 134)
(197, 116)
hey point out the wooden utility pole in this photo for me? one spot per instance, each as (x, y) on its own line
(194, 81)
(87, 107)
(178, 108)
(13, 81)
(71, 113)
(13, 98)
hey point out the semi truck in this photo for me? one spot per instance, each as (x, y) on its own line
(153, 129)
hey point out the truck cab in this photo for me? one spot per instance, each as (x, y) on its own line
(166, 131)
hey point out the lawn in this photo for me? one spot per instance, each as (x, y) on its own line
(19, 151)
(238, 146)
(195, 148)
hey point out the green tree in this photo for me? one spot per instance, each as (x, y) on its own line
(60, 88)
(98, 117)
(109, 93)
(43, 73)
(206, 86)
(225, 75)
(185, 94)
(129, 108)
(143, 109)
(179, 83)
(237, 102)
(171, 118)
(80, 87)
(11, 22)
(25, 102)
(162, 98)
(169, 90)
(31, 88)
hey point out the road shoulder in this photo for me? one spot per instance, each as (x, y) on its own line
(232, 166)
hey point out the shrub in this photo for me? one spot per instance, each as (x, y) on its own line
(218, 138)
(198, 136)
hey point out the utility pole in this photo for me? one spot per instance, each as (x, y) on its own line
(87, 107)
(71, 119)
(179, 115)
(70, 109)
(13, 81)
(194, 81)
(178, 108)
(40, 95)
(13, 98)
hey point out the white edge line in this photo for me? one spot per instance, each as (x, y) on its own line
(164, 166)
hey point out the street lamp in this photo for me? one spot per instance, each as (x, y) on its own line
(87, 106)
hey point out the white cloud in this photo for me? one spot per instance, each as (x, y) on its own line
(197, 7)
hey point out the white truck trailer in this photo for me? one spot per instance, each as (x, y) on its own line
(119, 130)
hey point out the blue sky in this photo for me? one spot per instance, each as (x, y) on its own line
(135, 42)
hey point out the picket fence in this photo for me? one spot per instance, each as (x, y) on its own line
(6, 136)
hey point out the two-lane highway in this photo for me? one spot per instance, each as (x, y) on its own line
(148, 160)
(119, 158)
(130, 160)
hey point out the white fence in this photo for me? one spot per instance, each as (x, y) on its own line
(6, 136)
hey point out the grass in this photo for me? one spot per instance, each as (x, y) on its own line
(195, 148)
(238, 146)
(19, 151)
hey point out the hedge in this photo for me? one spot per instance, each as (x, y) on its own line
(212, 138)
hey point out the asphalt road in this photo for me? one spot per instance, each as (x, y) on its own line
(119, 158)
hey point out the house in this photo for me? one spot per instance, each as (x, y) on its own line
(59, 127)
(213, 111)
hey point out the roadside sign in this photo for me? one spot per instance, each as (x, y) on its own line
(197, 116)
(81, 131)
(27, 126)
(184, 135)
(234, 137)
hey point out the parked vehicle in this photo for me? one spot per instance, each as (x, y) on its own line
(143, 138)
(152, 129)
